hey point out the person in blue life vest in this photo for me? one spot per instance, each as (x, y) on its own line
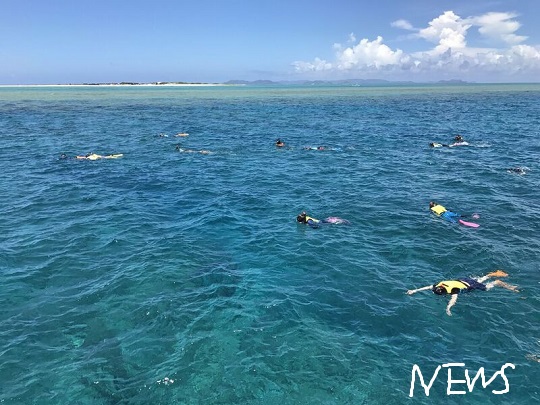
(465, 284)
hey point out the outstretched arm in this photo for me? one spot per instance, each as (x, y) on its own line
(411, 292)
(451, 303)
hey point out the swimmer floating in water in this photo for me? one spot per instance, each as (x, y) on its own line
(437, 145)
(94, 156)
(303, 218)
(450, 216)
(321, 148)
(280, 143)
(518, 170)
(202, 151)
(458, 141)
(442, 212)
(465, 284)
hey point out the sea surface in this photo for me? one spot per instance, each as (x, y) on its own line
(175, 277)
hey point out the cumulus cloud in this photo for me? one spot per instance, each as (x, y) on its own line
(448, 31)
(365, 55)
(499, 27)
(449, 56)
(371, 54)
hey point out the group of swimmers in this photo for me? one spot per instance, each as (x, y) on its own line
(447, 287)
(463, 284)
(451, 288)
(95, 156)
(459, 141)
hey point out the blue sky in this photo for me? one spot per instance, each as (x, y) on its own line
(76, 41)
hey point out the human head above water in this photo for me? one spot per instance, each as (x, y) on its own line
(302, 217)
(432, 204)
(439, 290)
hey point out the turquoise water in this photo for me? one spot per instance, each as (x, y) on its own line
(165, 277)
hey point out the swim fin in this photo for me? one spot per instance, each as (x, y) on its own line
(498, 273)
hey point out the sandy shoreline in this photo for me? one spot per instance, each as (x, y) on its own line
(120, 85)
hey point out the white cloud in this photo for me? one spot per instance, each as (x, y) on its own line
(318, 65)
(365, 55)
(449, 57)
(448, 30)
(499, 27)
(370, 54)
(403, 24)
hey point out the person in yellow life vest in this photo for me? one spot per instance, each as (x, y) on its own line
(442, 212)
(303, 218)
(465, 284)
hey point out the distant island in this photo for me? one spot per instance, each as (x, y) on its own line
(148, 84)
(345, 82)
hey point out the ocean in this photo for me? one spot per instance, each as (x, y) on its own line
(171, 276)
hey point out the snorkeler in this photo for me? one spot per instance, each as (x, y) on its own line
(452, 217)
(303, 218)
(517, 170)
(459, 141)
(202, 151)
(94, 156)
(322, 148)
(442, 212)
(280, 143)
(465, 284)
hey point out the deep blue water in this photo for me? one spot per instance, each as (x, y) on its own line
(119, 273)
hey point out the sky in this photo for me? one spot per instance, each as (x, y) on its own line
(213, 41)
